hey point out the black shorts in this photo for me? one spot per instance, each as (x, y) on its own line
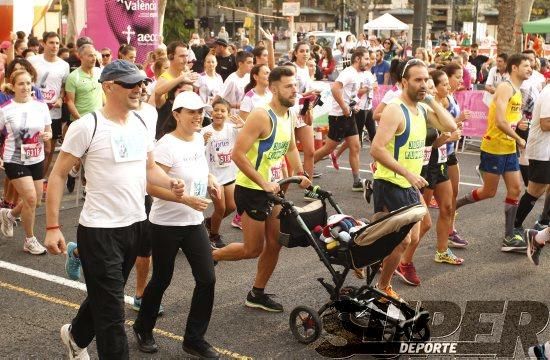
(229, 183)
(57, 126)
(144, 244)
(16, 171)
(341, 127)
(435, 174)
(255, 202)
(539, 171)
(451, 159)
(389, 197)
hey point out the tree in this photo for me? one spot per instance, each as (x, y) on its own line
(511, 15)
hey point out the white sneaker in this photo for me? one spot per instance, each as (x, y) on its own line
(75, 352)
(33, 246)
(6, 225)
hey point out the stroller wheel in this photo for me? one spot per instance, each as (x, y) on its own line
(417, 333)
(305, 324)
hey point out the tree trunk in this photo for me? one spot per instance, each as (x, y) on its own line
(511, 15)
(161, 10)
(71, 23)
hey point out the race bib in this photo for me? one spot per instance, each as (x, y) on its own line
(128, 145)
(442, 154)
(277, 172)
(31, 152)
(198, 188)
(224, 160)
(427, 154)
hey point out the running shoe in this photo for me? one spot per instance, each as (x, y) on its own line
(357, 186)
(367, 190)
(372, 167)
(334, 160)
(236, 222)
(137, 305)
(514, 243)
(33, 247)
(6, 224)
(539, 226)
(448, 257)
(316, 174)
(455, 240)
(71, 181)
(75, 353)
(433, 204)
(217, 241)
(146, 341)
(540, 351)
(200, 349)
(310, 195)
(389, 292)
(533, 247)
(479, 173)
(72, 263)
(263, 301)
(407, 272)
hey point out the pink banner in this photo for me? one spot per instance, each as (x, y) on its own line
(111, 23)
(471, 100)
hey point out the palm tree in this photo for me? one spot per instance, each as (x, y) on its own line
(511, 15)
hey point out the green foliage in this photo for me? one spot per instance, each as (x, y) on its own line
(177, 11)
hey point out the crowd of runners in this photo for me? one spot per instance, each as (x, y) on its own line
(216, 122)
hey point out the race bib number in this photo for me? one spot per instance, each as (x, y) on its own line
(427, 154)
(442, 154)
(128, 146)
(277, 172)
(224, 160)
(31, 152)
(199, 188)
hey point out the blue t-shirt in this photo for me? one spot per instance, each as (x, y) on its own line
(379, 70)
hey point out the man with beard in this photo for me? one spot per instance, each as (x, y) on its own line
(499, 150)
(265, 139)
(398, 148)
(346, 90)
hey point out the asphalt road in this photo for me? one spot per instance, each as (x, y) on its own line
(34, 305)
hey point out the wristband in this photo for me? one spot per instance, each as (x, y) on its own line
(54, 227)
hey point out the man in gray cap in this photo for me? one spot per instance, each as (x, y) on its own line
(119, 162)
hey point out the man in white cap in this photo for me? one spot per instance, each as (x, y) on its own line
(119, 163)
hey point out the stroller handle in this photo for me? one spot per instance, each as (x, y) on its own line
(297, 180)
(290, 180)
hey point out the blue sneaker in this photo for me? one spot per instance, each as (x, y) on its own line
(137, 306)
(540, 351)
(72, 264)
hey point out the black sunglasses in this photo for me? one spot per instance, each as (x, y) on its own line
(129, 86)
(105, 55)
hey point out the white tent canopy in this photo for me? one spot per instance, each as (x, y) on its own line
(385, 22)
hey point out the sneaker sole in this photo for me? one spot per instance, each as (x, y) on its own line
(236, 226)
(259, 306)
(30, 252)
(404, 279)
(513, 249)
(456, 245)
(448, 262)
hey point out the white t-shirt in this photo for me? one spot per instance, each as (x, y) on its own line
(115, 169)
(233, 89)
(538, 142)
(150, 116)
(24, 122)
(493, 78)
(391, 94)
(50, 79)
(305, 83)
(253, 100)
(350, 80)
(209, 87)
(187, 161)
(218, 152)
(368, 79)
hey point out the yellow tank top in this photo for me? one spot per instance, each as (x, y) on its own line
(269, 151)
(407, 147)
(495, 141)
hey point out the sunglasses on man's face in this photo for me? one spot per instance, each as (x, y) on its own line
(129, 86)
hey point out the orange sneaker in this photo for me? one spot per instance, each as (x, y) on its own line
(389, 292)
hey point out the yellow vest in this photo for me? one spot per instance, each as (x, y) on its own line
(495, 141)
(406, 147)
(269, 151)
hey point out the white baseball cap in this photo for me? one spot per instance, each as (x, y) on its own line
(189, 100)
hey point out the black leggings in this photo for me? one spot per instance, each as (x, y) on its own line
(364, 119)
(193, 241)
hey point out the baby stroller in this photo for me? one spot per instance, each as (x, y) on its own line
(364, 311)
